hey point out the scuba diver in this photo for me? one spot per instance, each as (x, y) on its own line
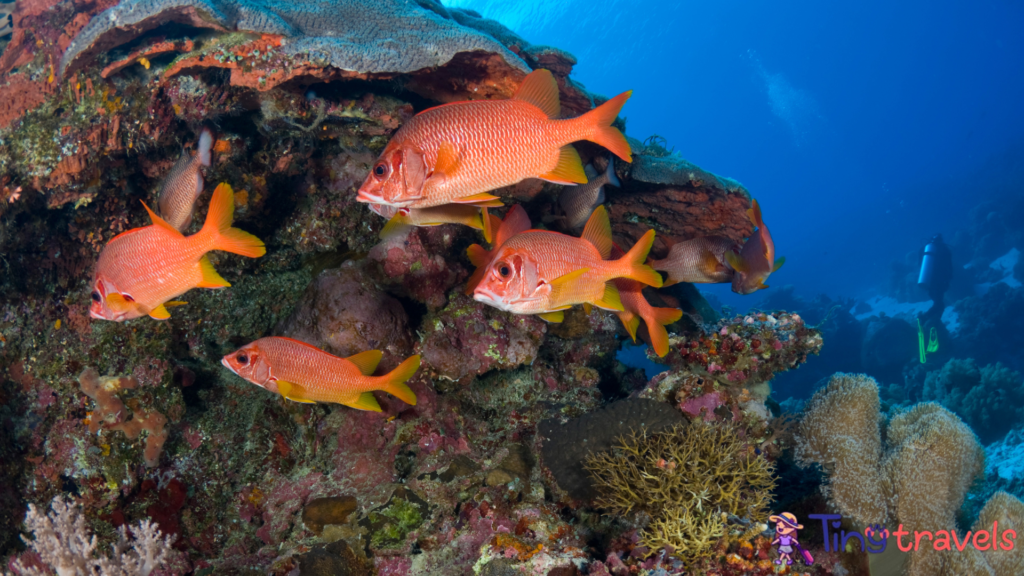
(936, 273)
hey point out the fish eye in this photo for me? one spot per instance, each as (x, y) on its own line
(380, 170)
(504, 270)
(95, 296)
(243, 359)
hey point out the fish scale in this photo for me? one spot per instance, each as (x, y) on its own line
(321, 375)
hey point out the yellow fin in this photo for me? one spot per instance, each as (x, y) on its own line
(447, 159)
(778, 263)
(393, 226)
(211, 279)
(754, 213)
(478, 255)
(736, 261)
(610, 300)
(481, 199)
(553, 317)
(486, 224)
(174, 303)
(631, 321)
(117, 302)
(159, 313)
(397, 378)
(366, 361)
(598, 232)
(569, 169)
(558, 285)
(540, 89)
(587, 308)
(364, 401)
(158, 221)
(293, 392)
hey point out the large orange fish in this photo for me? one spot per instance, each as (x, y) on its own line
(756, 261)
(456, 153)
(184, 184)
(542, 272)
(698, 260)
(635, 308)
(142, 270)
(304, 373)
(403, 218)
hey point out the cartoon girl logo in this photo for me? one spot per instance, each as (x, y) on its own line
(786, 528)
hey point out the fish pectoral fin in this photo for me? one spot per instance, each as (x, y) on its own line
(117, 302)
(568, 170)
(366, 361)
(553, 317)
(397, 223)
(158, 221)
(598, 232)
(293, 392)
(778, 263)
(364, 401)
(736, 261)
(558, 285)
(159, 313)
(709, 263)
(481, 199)
(211, 279)
(610, 300)
(447, 160)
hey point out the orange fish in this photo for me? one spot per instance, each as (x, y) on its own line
(456, 153)
(184, 184)
(542, 272)
(635, 308)
(403, 218)
(698, 260)
(304, 373)
(756, 261)
(140, 271)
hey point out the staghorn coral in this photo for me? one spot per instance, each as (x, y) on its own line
(689, 479)
(109, 413)
(382, 36)
(63, 541)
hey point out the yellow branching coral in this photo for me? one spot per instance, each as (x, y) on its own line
(688, 480)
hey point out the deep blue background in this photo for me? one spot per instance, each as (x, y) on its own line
(863, 128)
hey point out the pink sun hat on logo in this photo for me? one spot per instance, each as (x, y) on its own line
(787, 519)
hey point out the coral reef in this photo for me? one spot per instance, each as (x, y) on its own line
(990, 399)
(110, 412)
(988, 332)
(689, 480)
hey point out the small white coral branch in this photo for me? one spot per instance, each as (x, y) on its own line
(64, 542)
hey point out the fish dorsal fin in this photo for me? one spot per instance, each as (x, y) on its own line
(598, 232)
(293, 392)
(366, 361)
(364, 401)
(631, 321)
(478, 255)
(447, 159)
(736, 261)
(395, 225)
(159, 313)
(158, 221)
(540, 89)
(481, 199)
(778, 263)
(515, 222)
(553, 317)
(610, 300)
(211, 279)
(568, 170)
(754, 213)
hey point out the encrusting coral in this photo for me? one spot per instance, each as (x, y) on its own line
(110, 412)
(63, 541)
(689, 480)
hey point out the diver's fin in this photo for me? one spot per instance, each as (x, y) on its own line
(598, 232)
(211, 279)
(553, 317)
(540, 89)
(293, 392)
(568, 170)
(366, 361)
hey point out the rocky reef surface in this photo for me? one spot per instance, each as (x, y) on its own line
(139, 421)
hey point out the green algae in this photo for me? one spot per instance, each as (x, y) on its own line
(396, 522)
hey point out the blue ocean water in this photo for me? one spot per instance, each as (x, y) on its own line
(863, 128)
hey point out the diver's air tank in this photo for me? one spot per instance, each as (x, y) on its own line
(924, 278)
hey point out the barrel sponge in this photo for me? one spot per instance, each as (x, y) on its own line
(365, 36)
(932, 461)
(840, 431)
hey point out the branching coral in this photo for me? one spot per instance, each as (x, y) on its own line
(63, 541)
(689, 479)
(109, 413)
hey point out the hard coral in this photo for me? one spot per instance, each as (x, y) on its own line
(689, 480)
(382, 36)
(989, 399)
(110, 411)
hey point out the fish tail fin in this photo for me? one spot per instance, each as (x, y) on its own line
(635, 259)
(395, 380)
(599, 120)
(613, 179)
(218, 227)
(661, 317)
(205, 146)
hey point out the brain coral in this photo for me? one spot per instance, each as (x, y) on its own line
(366, 37)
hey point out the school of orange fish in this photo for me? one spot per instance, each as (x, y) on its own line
(439, 168)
